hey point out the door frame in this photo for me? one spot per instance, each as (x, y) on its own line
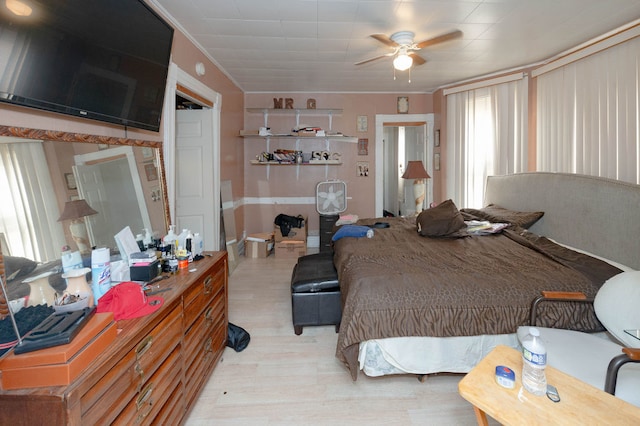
(398, 119)
(177, 76)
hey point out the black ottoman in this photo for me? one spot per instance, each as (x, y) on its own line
(315, 292)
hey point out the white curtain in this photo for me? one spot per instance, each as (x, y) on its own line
(486, 135)
(588, 115)
(28, 211)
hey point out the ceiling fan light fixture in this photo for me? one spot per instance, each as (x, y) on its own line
(18, 7)
(402, 61)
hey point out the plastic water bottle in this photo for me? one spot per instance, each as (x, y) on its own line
(534, 360)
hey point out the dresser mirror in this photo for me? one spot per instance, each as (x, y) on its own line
(119, 178)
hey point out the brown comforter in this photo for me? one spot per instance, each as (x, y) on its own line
(401, 284)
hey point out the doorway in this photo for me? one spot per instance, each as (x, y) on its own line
(399, 139)
(401, 145)
(182, 83)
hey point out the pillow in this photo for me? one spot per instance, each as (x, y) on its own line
(444, 220)
(18, 267)
(496, 214)
(616, 306)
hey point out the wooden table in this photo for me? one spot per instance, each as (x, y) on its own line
(580, 402)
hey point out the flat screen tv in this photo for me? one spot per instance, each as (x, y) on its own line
(103, 60)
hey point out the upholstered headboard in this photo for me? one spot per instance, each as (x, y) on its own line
(601, 216)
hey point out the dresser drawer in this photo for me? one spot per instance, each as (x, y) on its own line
(212, 316)
(210, 351)
(199, 296)
(147, 403)
(128, 377)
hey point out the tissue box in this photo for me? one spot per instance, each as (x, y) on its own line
(145, 271)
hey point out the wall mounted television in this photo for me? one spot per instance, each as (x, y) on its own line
(104, 60)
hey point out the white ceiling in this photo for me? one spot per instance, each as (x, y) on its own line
(312, 45)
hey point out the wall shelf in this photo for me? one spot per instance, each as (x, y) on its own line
(293, 111)
(341, 138)
(276, 163)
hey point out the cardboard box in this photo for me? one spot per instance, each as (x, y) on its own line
(59, 365)
(290, 249)
(295, 234)
(258, 245)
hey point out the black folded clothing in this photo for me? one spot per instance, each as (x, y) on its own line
(27, 319)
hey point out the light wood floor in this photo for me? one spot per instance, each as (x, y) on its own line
(284, 379)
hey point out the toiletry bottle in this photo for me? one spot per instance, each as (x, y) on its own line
(188, 244)
(197, 244)
(100, 272)
(70, 260)
(147, 239)
(170, 241)
(182, 237)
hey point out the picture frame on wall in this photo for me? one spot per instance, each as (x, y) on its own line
(436, 161)
(403, 105)
(362, 123)
(436, 139)
(363, 146)
(362, 168)
(71, 181)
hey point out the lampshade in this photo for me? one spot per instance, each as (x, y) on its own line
(415, 170)
(75, 210)
(402, 61)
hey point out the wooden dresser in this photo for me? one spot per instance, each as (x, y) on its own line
(153, 371)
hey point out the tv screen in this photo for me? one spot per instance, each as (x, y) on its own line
(104, 60)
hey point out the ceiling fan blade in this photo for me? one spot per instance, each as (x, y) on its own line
(440, 39)
(417, 59)
(384, 39)
(373, 59)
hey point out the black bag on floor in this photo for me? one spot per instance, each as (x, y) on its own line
(237, 337)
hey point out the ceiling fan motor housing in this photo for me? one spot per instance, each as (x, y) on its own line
(403, 38)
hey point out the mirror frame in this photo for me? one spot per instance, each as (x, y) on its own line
(60, 136)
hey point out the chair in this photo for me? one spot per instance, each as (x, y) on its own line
(610, 361)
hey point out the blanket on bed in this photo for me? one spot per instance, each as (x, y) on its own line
(401, 284)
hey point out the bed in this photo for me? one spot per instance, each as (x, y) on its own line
(421, 305)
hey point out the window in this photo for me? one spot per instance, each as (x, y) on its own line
(29, 228)
(588, 115)
(486, 135)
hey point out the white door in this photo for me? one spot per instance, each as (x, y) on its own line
(195, 174)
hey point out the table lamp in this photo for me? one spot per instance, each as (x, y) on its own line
(415, 170)
(75, 211)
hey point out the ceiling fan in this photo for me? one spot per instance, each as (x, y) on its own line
(404, 48)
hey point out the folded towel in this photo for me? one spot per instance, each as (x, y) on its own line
(355, 231)
(347, 219)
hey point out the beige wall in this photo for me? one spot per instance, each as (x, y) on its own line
(232, 168)
(272, 183)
